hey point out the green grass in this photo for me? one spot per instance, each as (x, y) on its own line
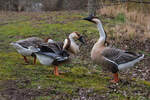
(120, 18)
(76, 76)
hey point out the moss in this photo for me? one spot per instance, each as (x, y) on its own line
(80, 70)
(43, 98)
(145, 83)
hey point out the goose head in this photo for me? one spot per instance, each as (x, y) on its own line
(92, 19)
(70, 45)
(103, 35)
(76, 35)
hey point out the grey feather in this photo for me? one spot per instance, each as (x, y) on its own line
(119, 56)
(33, 41)
(54, 50)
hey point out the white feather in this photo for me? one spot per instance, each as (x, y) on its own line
(23, 51)
(51, 41)
(111, 61)
(65, 43)
(130, 64)
(45, 60)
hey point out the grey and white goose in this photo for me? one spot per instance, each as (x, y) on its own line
(111, 59)
(22, 46)
(57, 52)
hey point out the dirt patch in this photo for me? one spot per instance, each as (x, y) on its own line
(15, 90)
(128, 89)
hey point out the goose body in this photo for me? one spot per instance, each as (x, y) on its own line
(45, 60)
(55, 53)
(48, 52)
(22, 46)
(111, 59)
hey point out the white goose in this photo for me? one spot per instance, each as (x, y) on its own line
(22, 46)
(57, 52)
(111, 59)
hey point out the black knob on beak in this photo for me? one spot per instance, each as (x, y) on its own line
(81, 39)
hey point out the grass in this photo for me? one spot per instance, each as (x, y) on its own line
(120, 18)
(80, 78)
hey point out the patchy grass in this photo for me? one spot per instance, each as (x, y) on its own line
(81, 79)
(120, 18)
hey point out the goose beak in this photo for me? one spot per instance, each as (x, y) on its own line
(81, 39)
(89, 19)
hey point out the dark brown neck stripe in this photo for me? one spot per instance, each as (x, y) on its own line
(68, 44)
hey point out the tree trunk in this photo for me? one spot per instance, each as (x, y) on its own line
(92, 7)
(59, 4)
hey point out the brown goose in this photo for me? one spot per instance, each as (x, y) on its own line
(111, 59)
(70, 44)
(57, 52)
(22, 46)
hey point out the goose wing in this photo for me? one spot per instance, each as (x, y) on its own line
(118, 56)
(56, 47)
(54, 50)
(33, 41)
(45, 47)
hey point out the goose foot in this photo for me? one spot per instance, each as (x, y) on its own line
(25, 59)
(116, 79)
(34, 62)
(56, 71)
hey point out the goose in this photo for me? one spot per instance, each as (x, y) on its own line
(111, 59)
(70, 44)
(57, 52)
(22, 46)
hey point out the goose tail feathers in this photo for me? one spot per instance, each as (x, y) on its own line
(16, 45)
(141, 56)
(131, 63)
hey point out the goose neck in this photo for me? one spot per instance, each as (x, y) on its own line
(102, 33)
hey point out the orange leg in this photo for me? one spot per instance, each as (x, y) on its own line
(56, 71)
(25, 59)
(116, 79)
(34, 60)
